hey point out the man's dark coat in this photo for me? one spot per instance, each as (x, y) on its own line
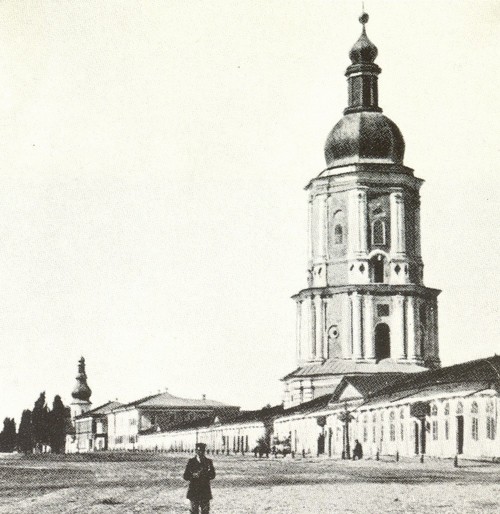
(199, 488)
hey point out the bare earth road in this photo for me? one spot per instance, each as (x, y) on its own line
(152, 483)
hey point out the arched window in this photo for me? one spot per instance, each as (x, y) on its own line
(392, 427)
(378, 232)
(338, 223)
(365, 428)
(435, 425)
(475, 421)
(382, 342)
(490, 420)
(377, 268)
(446, 421)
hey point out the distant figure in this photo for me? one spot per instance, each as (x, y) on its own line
(358, 451)
(199, 471)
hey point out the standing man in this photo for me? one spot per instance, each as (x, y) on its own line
(199, 471)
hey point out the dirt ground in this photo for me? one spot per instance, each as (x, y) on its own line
(147, 483)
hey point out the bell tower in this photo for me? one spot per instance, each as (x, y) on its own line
(365, 308)
(81, 392)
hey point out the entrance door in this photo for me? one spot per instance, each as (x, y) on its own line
(460, 435)
(321, 444)
(422, 435)
(417, 438)
(382, 341)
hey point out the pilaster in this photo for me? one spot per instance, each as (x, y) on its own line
(357, 342)
(398, 328)
(368, 334)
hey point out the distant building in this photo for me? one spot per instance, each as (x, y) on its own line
(117, 426)
(91, 428)
(157, 413)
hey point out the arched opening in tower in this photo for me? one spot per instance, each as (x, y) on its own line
(382, 341)
(377, 269)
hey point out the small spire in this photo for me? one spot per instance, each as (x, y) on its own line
(363, 51)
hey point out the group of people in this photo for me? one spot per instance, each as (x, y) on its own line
(200, 470)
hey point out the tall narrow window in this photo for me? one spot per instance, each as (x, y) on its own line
(392, 427)
(338, 234)
(475, 421)
(490, 420)
(434, 412)
(377, 269)
(378, 232)
(447, 421)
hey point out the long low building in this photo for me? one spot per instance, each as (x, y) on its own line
(441, 413)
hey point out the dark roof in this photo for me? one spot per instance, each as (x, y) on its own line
(367, 385)
(101, 410)
(167, 400)
(350, 367)
(225, 418)
(311, 406)
(478, 373)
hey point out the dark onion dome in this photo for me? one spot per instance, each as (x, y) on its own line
(363, 51)
(364, 137)
(81, 391)
(364, 134)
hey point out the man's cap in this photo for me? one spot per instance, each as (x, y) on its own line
(201, 446)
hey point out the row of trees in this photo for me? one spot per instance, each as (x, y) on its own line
(39, 428)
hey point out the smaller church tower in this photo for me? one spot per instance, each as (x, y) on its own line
(81, 392)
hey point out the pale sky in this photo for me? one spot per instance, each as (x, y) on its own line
(152, 163)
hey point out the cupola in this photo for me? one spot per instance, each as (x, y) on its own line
(81, 391)
(364, 134)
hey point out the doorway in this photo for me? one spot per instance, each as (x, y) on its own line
(460, 435)
(321, 444)
(382, 342)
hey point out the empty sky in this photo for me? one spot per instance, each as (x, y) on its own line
(152, 163)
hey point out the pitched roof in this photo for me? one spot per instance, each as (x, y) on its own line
(318, 403)
(477, 373)
(106, 408)
(368, 384)
(167, 400)
(349, 367)
(225, 418)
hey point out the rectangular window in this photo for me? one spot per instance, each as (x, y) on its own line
(475, 429)
(374, 430)
(447, 430)
(402, 432)
(490, 427)
(365, 434)
(435, 430)
(392, 432)
(383, 310)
